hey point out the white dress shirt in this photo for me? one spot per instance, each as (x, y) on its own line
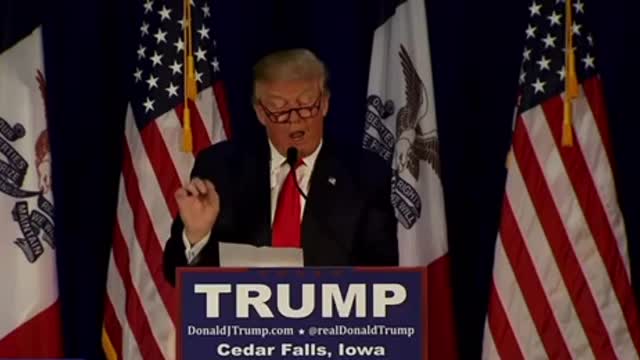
(279, 169)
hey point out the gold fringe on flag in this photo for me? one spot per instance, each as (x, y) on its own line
(571, 79)
(190, 88)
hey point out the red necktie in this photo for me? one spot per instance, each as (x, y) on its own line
(286, 222)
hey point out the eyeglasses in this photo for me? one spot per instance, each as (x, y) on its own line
(304, 112)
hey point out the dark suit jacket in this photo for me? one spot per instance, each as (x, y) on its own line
(348, 221)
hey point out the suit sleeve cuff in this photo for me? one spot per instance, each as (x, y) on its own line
(192, 251)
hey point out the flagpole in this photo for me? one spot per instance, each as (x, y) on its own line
(571, 79)
(189, 81)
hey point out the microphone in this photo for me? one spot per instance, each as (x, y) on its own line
(292, 157)
(292, 160)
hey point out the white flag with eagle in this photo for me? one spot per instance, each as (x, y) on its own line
(401, 127)
(30, 317)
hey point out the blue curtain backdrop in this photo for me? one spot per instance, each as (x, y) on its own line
(476, 48)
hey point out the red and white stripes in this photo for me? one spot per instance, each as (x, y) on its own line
(561, 285)
(140, 307)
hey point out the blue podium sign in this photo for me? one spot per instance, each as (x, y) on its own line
(302, 313)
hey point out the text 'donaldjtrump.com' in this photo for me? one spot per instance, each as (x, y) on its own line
(336, 313)
(287, 348)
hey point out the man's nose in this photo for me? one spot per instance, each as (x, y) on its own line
(294, 117)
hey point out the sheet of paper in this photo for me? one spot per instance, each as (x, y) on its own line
(243, 255)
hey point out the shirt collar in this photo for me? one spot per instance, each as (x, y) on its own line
(277, 159)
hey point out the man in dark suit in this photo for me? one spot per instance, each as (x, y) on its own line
(335, 206)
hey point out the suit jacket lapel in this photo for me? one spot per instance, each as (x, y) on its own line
(259, 167)
(317, 240)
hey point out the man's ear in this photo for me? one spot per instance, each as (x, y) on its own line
(262, 117)
(325, 104)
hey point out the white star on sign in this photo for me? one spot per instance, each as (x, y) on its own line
(538, 86)
(152, 81)
(148, 105)
(160, 36)
(148, 6)
(554, 19)
(176, 68)
(527, 54)
(549, 41)
(579, 5)
(173, 90)
(138, 75)
(198, 77)
(562, 73)
(543, 63)
(182, 24)
(204, 32)
(164, 13)
(534, 9)
(144, 28)
(156, 59)
(531, 31)
(301, 331)
(141, 51)
(589, 62)
(206, 10)
(201, 54)
(523, 77)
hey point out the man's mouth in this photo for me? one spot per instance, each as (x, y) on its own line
(297, 136)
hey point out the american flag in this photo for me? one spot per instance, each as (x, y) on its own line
(140, 314)
(561, 284)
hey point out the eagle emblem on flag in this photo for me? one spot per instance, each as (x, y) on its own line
(409, 145)
(412, 144)
(32, 211)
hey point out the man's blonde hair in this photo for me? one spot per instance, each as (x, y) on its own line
(285, 65)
